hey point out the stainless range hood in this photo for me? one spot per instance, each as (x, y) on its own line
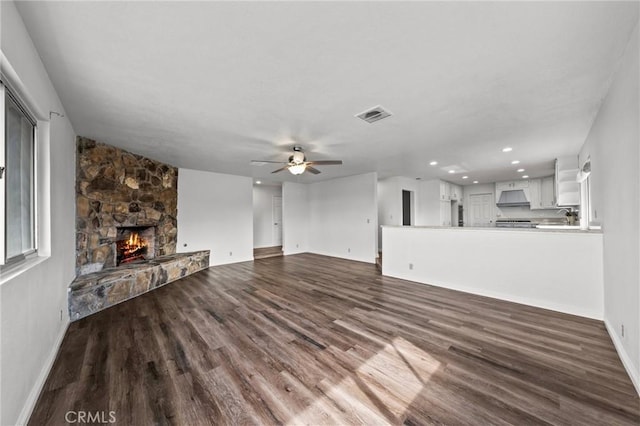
(513, 198)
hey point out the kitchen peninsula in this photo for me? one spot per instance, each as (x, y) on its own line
(559, 269)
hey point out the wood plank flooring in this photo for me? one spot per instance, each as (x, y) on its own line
(308, 339)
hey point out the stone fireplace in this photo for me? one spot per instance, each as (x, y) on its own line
(126, 228)
(118, 192)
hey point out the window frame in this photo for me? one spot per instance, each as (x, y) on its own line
(6, 90)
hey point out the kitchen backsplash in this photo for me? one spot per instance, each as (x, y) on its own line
(526, 213)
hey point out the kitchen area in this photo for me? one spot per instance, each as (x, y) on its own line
(547, 202)
(522, 240)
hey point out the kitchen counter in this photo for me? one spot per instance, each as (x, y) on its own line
(493, 228)
(556, 269)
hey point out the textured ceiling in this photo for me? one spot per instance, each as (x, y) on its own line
(211, 86)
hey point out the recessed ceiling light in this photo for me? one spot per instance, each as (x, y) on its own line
(452, 171)
(525, 176)
(465, 177)
(433, 163)
(515, 162)
(520, 170)
(258, 182)
(507, 149)
(475, 181)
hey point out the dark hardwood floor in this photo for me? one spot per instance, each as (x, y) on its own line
(308, 339)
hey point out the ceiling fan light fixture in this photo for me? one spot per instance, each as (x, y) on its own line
(297, 169)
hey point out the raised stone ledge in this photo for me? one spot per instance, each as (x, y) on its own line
(94, 292)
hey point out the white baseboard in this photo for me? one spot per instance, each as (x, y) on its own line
(30, 403)
(624, 357)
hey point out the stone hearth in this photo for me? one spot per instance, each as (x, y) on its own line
(94, 292)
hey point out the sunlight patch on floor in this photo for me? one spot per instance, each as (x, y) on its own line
(381, 390)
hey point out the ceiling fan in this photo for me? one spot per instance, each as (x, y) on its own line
(298, 163)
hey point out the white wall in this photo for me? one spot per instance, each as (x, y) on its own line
(263, 235)
(612, 144)
(552, 270)
(31, 303)
(295, 218)
(390, 202)
(344, 216)
(215, 212)
(336, 218)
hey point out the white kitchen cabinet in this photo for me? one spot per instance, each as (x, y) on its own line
(567, 186)
(512, 185)
(456, 192)
(535, 194)
(445, 191)
(548, 193)
(445, 213)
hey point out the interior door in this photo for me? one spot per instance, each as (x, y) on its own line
(277, 221)
(480, 210)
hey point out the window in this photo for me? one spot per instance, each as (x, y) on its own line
(17, 163)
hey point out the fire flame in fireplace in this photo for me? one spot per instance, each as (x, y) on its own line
(131, 249)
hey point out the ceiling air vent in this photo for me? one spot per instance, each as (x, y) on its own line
(374, 114)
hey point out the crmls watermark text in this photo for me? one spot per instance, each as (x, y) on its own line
(93, 417)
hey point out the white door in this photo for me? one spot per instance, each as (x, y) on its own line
(277, 221)
(480, 210)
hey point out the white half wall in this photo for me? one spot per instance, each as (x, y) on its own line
(561, 271)
(215, 212)
(613, 145)
(263, 229)
(295, 218)
(344, 216)
(33, 302)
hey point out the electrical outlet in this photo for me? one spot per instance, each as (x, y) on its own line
(348, 250)
(368, 220)
(411, 266)
(595, 213)
(230, 253)
(297, 246)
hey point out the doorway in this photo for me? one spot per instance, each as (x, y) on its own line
(277, 221)
(407, 208)
(480, 211)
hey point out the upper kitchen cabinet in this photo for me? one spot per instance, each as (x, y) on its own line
(548, 193)
(455, 192)
(567, 186)
(542, 193)
(445, 191)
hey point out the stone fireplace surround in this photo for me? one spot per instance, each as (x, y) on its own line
(116, 190)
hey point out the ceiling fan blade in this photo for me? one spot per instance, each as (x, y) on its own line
(263, 162)
(312, 170)
(281, 169)
(324, 163)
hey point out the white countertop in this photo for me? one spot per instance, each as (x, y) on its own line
(493, 228)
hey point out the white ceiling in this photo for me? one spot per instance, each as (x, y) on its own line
(211, 86)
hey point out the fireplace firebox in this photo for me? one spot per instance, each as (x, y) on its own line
(135, 244)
